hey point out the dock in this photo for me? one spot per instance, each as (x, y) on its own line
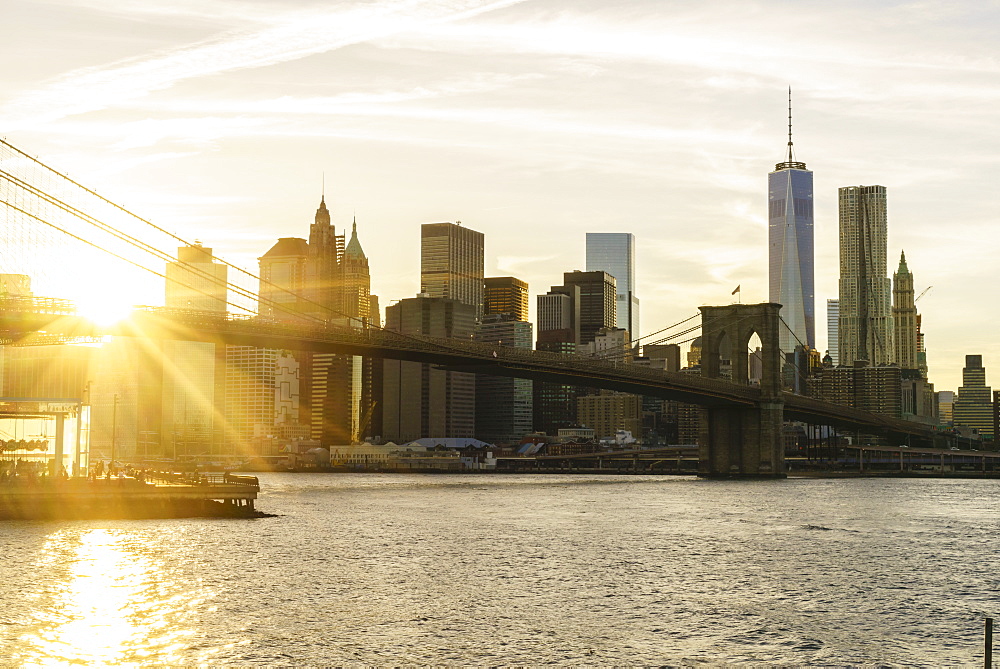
(156, 495)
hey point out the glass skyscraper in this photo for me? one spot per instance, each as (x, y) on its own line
(614, 253)
(790, 248)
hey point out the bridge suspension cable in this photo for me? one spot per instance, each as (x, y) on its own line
(33, 194)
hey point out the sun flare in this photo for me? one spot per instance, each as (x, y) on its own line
(103, 310)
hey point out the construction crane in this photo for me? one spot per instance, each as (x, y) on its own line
(922, 293)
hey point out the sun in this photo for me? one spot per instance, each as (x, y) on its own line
(103, 310)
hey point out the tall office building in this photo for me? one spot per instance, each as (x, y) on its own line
(557, 311)
(420, 399)
(194, 373)
(451, 263)
(598, 301)
(196, 281)
(554, 404)
(790, 247)
(973, 407)
(904, 316)
(614, 253)
(323, 279)
(505, 295)
(503, 403)
(833, 330)
(946, 407)
(866, 327)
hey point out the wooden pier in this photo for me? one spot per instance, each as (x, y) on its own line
(158, 495)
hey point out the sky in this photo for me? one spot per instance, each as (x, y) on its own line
(534, 122)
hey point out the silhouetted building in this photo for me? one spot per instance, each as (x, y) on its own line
(419, 399)
(324, 279)
(194, 373)
(196, 281)
(503, 403)
(554, 404)
(598, 305)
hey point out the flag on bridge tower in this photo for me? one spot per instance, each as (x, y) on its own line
(736, 290)
(738, 294)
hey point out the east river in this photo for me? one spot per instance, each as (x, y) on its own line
(485, 570)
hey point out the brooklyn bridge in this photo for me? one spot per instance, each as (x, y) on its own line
(741, 421)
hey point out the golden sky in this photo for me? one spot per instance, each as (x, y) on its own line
(534, 121)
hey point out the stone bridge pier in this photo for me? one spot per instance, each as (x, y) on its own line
(742, 441)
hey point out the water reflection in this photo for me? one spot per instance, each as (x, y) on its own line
(106, 600)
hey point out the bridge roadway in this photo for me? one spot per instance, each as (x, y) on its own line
(25, 321)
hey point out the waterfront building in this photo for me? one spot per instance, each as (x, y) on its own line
(503, 404)
(609, 411)
(505, 295)
(598, 301)
(554, 404)
(790, 247)
(833, 330)
(875, 389)
(46, 371)
(904, 316)
(614, 253)
(262, 400)
(194, 372)
(451, 263)
(420, 399)
(866, 326)
(973, 406)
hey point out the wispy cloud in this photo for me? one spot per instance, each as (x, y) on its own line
(294, 35)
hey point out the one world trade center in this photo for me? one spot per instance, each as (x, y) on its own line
(790, 247)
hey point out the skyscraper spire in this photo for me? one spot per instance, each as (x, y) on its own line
(790, 156)
(790, 162)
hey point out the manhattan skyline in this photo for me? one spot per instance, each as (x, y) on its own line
(515, 118)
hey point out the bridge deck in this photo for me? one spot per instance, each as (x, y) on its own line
(51, 321)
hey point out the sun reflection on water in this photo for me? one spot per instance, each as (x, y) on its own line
(106, 602)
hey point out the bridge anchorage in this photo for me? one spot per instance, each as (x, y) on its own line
(742, 441)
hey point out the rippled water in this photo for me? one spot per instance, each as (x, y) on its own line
(398, 569)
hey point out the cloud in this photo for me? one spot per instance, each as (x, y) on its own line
(295, 35)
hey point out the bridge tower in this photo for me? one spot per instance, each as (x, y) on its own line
(742, 441)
